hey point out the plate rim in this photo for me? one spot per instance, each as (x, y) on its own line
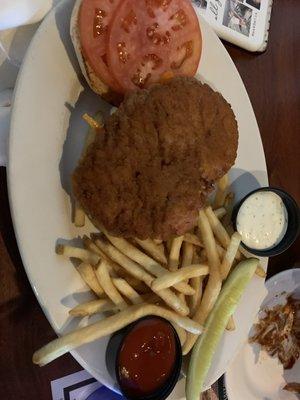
(10, 170)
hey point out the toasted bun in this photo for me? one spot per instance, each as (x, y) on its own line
(95, 83)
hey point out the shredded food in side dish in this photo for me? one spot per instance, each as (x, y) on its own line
(292, 387)
(278, 332)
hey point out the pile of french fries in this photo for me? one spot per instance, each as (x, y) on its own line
(179, 280)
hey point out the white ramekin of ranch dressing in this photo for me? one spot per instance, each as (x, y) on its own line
(268, 220)
(262, 220)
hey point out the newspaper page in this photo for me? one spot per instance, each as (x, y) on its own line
(241, 22)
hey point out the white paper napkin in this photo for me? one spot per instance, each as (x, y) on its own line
(15, 13)
(19, 19)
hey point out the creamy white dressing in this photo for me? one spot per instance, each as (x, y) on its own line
(262, 220)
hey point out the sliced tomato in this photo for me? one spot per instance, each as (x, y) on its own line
(148, 38)
(93, 20)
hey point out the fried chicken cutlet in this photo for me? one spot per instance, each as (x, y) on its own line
(153, 164)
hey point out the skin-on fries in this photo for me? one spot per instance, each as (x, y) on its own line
(171, 278)
(87, 273)
(76, 252)
(93, 307)
(79, 216)
(153, 249)
(112, 293)
(145, 261)
(127, 291)
(175, 252)
(230, 255)
(138, 272)
(214, 283)
(222, 186)
(106, 327)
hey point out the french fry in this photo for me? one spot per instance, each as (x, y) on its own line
(180, 332)
(134, 269)
(197, 285)
(149, 264)
(127, 291)
(175, 252)
(220, 212)
(130, 266)
(195, 299)
(153, 250)
(133, 282)
(260, 272)
(137, 285)
(106, 327)
(187, 254)
(193, 239)
(88, 275)
(76, 252)
(90, 245)
(230, 255)
(93, 307)
(231, 324)
(171, 278)
(79, 216)
(220, 250)
(229, 229)
(209, 242)
(168, 245)
(91, 121)
(199, 259)
(214, 283)
(157, 241)
(222, 186)
(229, 202)
(219, 230)
(182, 298)
(108, 286)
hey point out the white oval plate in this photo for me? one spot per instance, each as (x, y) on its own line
(254, 375)
(47, 135)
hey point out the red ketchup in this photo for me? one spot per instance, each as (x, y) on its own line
(147, 357)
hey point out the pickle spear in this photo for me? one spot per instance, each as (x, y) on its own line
(215, 325)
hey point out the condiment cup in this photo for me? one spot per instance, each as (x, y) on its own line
(164, 391)
(293, 223)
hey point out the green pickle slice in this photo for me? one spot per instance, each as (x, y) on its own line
(207, 343)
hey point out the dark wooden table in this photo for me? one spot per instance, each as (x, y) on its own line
(273, 83)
